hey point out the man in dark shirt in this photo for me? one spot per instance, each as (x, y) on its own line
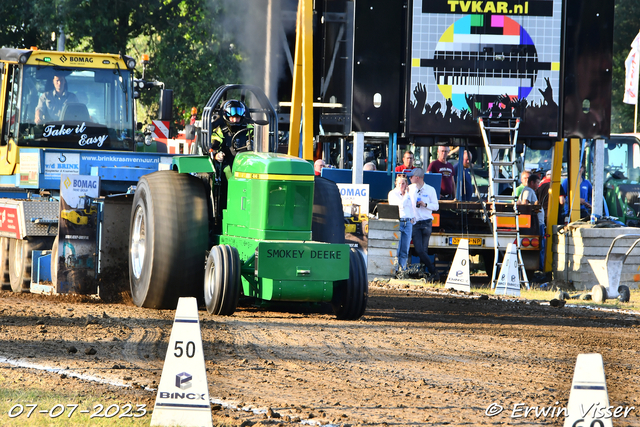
(51, 103)
(441, 166)
(543, 197)
(467, 187)
(585, 195)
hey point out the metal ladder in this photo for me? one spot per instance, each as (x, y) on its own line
(502, 170)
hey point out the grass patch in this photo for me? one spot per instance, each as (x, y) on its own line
(541, 295)
(537, 294)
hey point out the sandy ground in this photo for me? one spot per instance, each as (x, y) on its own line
(419, 356)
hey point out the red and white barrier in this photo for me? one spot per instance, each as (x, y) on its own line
(179, 145)
(161, 131)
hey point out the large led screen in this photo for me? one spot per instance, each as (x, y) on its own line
(493, 59)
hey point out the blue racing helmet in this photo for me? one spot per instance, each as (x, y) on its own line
(233, 112)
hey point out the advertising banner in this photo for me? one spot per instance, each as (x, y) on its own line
(77, 234)
(495, 59)
(355, 206)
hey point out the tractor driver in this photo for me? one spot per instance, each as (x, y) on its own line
(52, 102)
(232, 138)
(227, 140)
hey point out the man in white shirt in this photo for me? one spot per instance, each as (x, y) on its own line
(528, 197)
(399, 196)
(425, 200)
(318, 165)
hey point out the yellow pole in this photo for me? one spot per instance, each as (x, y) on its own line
(296, 91)
(553, 205)
(307, 83)
(302, 91)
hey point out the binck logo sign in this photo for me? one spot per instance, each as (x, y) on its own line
(183, 380)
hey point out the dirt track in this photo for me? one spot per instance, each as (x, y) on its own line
(416, 358)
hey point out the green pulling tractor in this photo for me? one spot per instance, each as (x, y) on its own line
(276, 235)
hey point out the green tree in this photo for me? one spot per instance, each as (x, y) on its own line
(183, 38)
(26, 23)
(193, 56)
(108, 26)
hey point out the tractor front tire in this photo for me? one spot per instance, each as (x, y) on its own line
(168, 239)
(350, 296)
(222, 280)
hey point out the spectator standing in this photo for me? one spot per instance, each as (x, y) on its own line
(528, 197)
(524, 176)
(407, 162)
(369, 166)
(585, 195)
(467, 187)
(542, 193)
(547, 178)
(399, 196)
(441, 166)
(425, 200)
(318, 165)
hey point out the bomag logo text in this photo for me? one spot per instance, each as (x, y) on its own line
(83, 183)
(499, 7)
(80, 59)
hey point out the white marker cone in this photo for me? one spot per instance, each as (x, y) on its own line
(588, 399)
(459, 277)
(509, 278)
(183, 393)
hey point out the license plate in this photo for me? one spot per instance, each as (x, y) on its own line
(473, 241)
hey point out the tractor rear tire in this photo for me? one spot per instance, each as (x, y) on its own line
(5, 280)
(350, 296)
(20, 257)
(168, 239)
(222, 280)
(328, 220)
